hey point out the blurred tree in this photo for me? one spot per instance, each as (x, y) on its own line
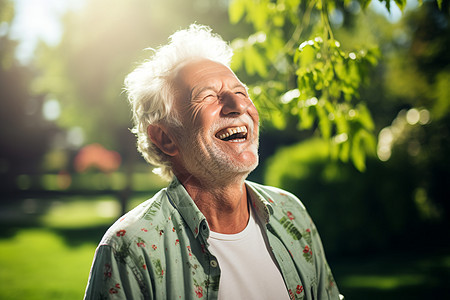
(302, 75)
(418, 77)
(6, 16)
(24, 135)
(405, 195)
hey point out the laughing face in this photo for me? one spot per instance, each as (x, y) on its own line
(219, 136)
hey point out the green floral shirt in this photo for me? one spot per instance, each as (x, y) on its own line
(159, 250)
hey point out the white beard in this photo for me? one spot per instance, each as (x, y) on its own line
(202, 158)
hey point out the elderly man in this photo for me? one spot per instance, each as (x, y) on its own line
(210, 234)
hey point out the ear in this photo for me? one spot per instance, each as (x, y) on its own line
(160, 137)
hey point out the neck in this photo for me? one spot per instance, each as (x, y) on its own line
(224, 204)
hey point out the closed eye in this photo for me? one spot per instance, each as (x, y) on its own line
(243, 93)
(209, 97)
(204, 97)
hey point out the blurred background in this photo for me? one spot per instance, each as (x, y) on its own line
(367, 151)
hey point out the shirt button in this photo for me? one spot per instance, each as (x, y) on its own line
(213, 263)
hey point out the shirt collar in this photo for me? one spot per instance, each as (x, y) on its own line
(194, 218)
(261, 202)
(187, 208)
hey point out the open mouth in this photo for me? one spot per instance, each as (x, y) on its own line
(233, 134)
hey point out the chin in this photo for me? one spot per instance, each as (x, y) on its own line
(245, 168)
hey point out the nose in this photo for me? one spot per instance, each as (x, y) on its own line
(235, 104)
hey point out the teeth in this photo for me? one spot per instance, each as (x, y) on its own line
(231, 131)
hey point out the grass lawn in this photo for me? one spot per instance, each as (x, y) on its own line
(47, 250)
(40, 264)
(47, 246)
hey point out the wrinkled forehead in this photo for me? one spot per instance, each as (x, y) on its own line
(201, 72)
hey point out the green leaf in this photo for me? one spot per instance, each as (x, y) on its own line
(278, 119)
(340, 70)
(324, 122)
(306, 56)
(358, 154)
(278, 20)
(401, 4)
(344, 152)
(259, 14)
(370, 143)
(306, 118)
(341, 122)
(365, 3)
(372, 56)
(363, 143)
(275, 45)
(248, 60)
(237, 60)
(441, 106)
(236, 10)
(254, 62)
(293, 3)
(387, 3)
(260, 64)
(364, 117)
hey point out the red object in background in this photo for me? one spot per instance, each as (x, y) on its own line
(95, 155)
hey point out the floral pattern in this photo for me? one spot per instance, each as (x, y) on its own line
(164, 247)
(121, 232)
(307, 253)
(140, 242)
(198, 289)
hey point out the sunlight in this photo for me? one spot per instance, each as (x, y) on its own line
(38, 20)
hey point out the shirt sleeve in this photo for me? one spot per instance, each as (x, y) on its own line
(326, 288)
(113, 277)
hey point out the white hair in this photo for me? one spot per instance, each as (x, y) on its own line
(150, 91)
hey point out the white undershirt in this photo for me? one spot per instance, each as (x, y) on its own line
(248, 271)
